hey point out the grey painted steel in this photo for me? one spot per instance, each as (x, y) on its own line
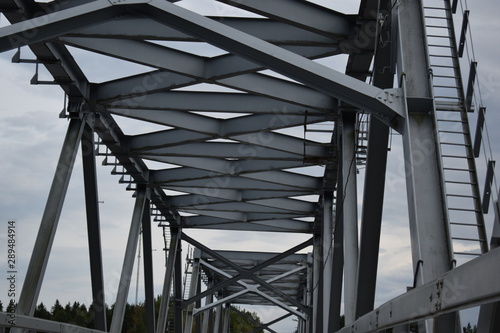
(252, 192)
(32, 324)
(287, 63)
(374, 186)
(195, 275)
(167, 282)
(371, 216)
(301, 14)
(479, 131)
(93, 228)
(489, 314)
(227, 316)
(251, 288)
(424, 183)
(218, 319)
(338, 250)
(350, 214)
(178, 319)
(317, 285)
(470, 284)
(128, 262)
(284, 62)
(148, 268)
(327, 254)
(247, 273)
(48, 226)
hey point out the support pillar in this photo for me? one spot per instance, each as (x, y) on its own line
(227, 317)
(327, 254)
(178, 290)
(338, 246)
(167, 282)
(430, 239)
(50, 219)
(207, 315)
(128, 262)
(148, 268)
(317, 315)
(374, 187)
(350, 213)
(93, 228)
(218, 318)
(188, 327)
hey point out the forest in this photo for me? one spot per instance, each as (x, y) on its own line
(134, 322)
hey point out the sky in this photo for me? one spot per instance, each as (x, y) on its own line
(30, 139)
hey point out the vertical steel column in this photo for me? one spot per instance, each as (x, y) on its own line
(308, 298)
(178, 290)
(188, 327)
(198, 304)
(93, 227)
(218, 316)
(374, 187)
(430, 237)
(317, 315)
(148, 268)
(167, 282)
(208, 313)
(227, 317)
(327, 254)
(128, 262)
(350, 214)
(338, 247)
(50, 220)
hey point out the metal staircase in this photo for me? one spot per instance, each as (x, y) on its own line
(459, 169)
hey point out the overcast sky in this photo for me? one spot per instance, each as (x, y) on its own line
(30, 140)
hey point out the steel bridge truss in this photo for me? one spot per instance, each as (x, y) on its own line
(250, 107)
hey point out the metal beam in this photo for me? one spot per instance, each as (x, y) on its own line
(304, 15)
(48, 226)
(272, 225)
(349, 213)
(167, 282)
(137, 27)
(54, 24)
(128, 262)
(327, 256)
(424, 183)
(93, 227)
(468, 285)
(385, 103)
(211, 102)
(374, 187)
(148, 268)
(25, 323)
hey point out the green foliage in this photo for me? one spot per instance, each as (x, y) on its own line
(245, 321)
(134, 321)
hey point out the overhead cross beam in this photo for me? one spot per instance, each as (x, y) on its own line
(386, 104)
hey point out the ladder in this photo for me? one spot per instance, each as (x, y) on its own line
(465, 215)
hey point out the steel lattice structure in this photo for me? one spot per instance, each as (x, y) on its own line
(249, 105)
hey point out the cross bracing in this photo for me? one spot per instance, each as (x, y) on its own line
(240, 112)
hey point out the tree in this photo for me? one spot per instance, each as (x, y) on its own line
(42, 312)
(470, 329)
(59, 313)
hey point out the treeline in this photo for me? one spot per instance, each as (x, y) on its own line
(134, 320)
